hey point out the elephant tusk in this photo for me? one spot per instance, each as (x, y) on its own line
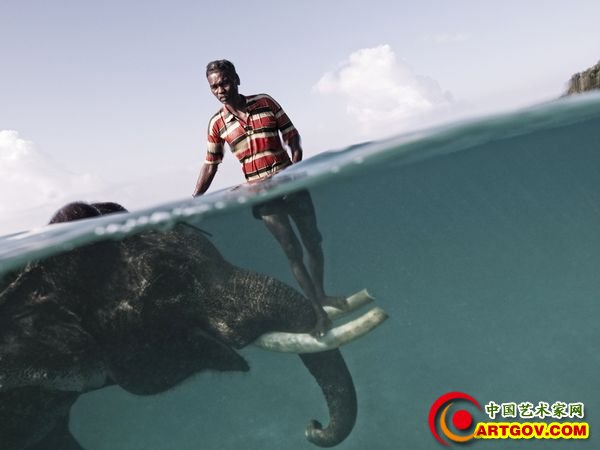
(354, 302)
(336, 337)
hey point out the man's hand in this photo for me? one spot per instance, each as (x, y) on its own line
(296, 155)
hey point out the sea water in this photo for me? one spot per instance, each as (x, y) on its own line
(481, 240)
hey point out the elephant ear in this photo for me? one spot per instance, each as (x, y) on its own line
(39, 349)
(43, 343)
(148, 364)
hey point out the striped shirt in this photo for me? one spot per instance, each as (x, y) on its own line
(256, 142)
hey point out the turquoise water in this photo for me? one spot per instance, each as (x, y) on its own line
(482, 242)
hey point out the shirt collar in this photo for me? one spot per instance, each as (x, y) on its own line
(229, 117)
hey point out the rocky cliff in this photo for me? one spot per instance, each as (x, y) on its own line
(585, 81)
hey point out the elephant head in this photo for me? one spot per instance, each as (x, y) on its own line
(145, 313)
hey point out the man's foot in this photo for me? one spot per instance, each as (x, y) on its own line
(322, 325)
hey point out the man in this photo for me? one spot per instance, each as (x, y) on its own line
(251, 125)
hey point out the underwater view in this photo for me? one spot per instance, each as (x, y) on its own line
(481, 242)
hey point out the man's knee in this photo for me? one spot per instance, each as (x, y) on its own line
(312, 240)
(293, 250)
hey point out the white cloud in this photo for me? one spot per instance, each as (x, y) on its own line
(32, 185)
(381, 92)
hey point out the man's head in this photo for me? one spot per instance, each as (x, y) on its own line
(223, 80)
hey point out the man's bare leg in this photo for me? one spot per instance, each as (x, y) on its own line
(311, 238)
(279, 225)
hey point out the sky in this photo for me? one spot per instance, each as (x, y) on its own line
(108, 101)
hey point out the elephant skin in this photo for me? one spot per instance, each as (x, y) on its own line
(143, 313)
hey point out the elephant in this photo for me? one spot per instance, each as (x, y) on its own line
(145, 313)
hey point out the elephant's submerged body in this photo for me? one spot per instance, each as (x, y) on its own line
(144, 313)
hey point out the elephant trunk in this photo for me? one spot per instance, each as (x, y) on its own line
(332, 375)
(260, 304)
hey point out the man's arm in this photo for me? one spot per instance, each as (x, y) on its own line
(290, 135)
(214, 156)
(296, 149)
(207, 173)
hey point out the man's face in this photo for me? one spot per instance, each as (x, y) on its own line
(223, 85)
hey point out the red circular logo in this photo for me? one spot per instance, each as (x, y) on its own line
(461, 419)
